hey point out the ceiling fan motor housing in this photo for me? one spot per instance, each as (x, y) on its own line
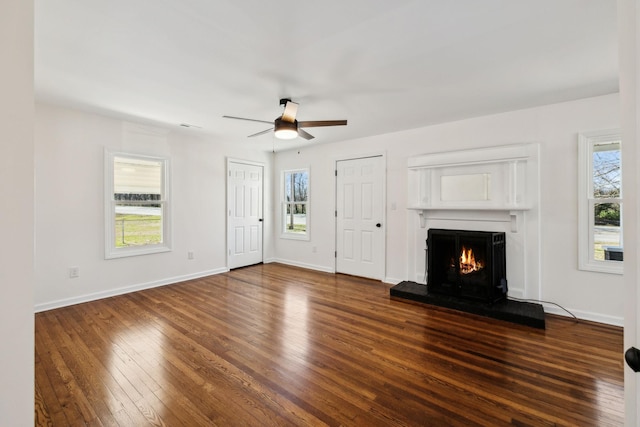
(285, 130)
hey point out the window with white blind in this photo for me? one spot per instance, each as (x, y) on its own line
(136, 205)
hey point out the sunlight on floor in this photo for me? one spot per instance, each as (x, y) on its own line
(136, 363)
(295, 335)
(610, 399)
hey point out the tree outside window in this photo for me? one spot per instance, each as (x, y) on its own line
(606, 199)
(295, 202)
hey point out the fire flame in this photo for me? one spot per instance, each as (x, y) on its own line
(468, 262)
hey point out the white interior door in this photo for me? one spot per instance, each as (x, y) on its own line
(244, 208)
(360, 235)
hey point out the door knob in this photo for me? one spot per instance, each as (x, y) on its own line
(632, 356)
(378, 225)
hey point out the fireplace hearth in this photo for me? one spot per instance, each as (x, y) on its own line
(466, 271)
(467, 264)
(519, 312)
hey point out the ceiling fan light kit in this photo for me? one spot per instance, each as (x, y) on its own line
(287, 127)
(285, 130)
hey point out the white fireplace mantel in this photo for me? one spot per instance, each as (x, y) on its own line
(486, 189)
(485, 179)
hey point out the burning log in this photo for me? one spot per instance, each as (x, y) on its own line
(468, 263)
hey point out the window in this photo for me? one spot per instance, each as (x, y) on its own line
(295, 204)
(136, 206)
(600, 202)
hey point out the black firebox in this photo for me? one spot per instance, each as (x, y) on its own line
(467, 264)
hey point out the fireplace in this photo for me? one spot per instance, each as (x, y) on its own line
(490, 188)
(467, 264)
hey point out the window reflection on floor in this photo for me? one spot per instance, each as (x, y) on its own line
(138, 355)
(295, 333)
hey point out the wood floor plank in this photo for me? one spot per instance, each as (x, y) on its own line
(42, 417)
(279, 345)
(99, 384)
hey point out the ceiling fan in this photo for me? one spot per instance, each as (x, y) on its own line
(287, 127)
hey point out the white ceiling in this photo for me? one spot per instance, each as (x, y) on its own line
(384, 65)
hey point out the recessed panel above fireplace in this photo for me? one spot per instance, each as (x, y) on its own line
(465, 188)
(467, 264)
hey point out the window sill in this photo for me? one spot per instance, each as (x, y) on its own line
(610, 267)
(295, 236)
(136, 251)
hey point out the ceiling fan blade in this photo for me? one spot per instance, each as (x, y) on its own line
(243, 118)
(305, 135)
(317, 123)
(290, 111)
(261, 133)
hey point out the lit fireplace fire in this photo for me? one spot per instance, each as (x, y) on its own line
(468, 262)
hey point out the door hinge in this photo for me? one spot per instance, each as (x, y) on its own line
(336, 171)
(336, 214)
(335, 254)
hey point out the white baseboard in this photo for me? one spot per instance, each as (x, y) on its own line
(389, 280)
(124, 290)
(302, 265)
(392, 281)
(585, 315)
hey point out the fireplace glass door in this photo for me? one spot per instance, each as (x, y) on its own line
(467, 264)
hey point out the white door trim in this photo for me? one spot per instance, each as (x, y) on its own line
(383, 155)
(231, 160)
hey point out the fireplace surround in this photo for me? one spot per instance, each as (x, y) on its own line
(495, 189)
(492, 189)
(467, 264)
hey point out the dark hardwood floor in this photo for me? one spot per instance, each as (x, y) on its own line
(278, 345)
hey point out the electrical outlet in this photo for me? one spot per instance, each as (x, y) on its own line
(190, 255)
(74, 272)
(314, 249)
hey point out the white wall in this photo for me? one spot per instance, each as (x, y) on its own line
(69, 201)
(69, 157)
(594, 296)
(16, 193)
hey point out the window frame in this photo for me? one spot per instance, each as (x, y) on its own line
(284, 232)
(111, 250)
(587, 202)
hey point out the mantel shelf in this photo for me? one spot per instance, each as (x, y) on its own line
(470, 208)
(513, 212)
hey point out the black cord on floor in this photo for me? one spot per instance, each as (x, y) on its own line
(544, 302)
